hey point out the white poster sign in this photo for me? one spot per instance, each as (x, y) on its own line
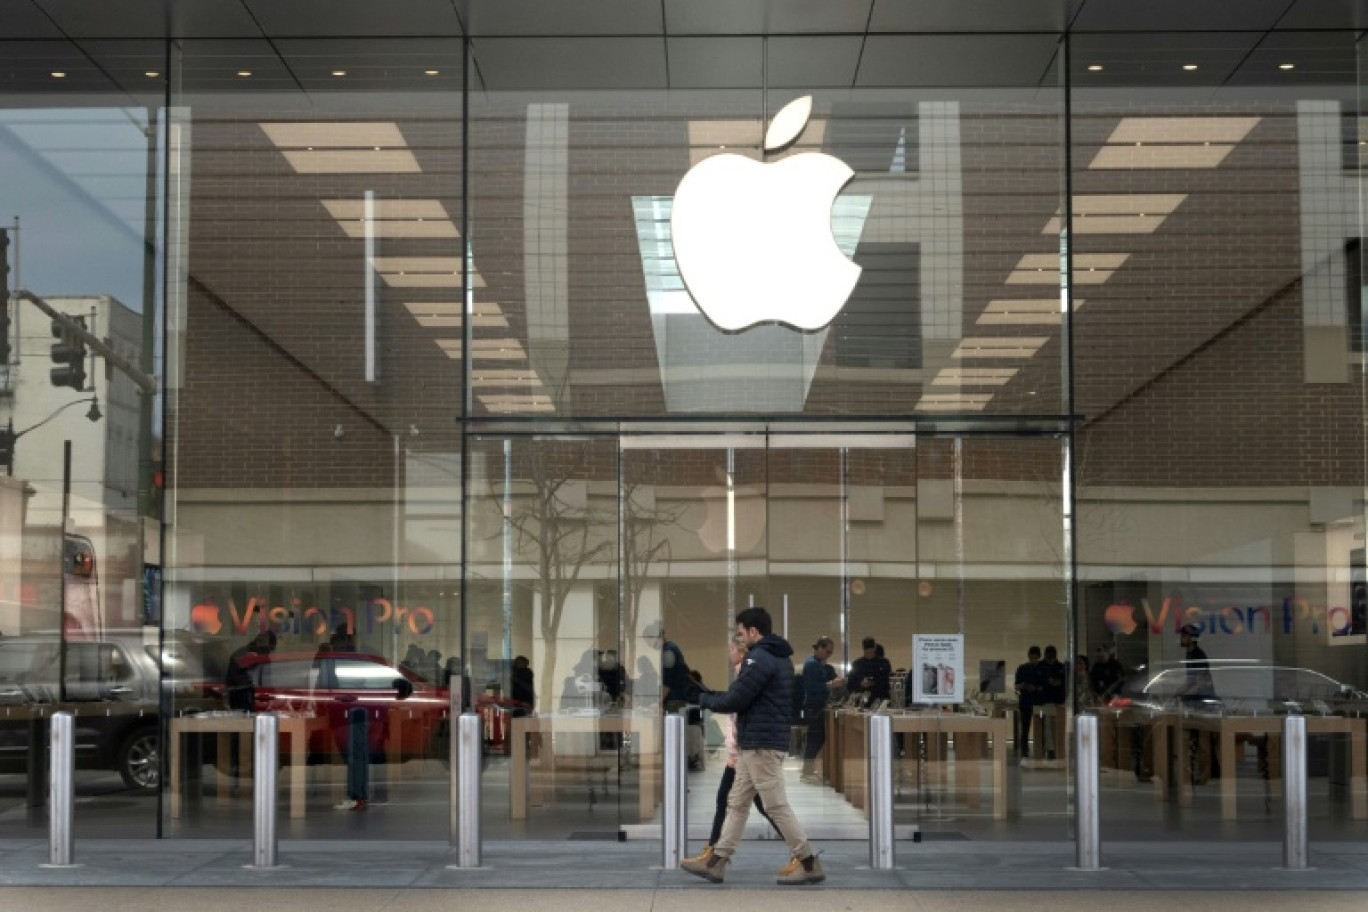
(938, 668)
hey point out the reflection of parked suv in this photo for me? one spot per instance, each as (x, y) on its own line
(111, 685)
(1241, 688)
(406, 714)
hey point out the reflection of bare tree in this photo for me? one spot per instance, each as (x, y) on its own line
(644, 544)
(556, 524)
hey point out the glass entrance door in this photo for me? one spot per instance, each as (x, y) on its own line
(604, 564)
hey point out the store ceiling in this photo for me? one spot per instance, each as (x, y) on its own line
(494, 18)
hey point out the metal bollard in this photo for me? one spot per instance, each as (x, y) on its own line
(265, 750)
(470, 740)
(674, 830)
(881, 852)
(1086, 764)
(454, 761)
(1294, 793)
(62, 761)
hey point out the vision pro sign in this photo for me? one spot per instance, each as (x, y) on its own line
(213, 619)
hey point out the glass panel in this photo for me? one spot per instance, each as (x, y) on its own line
(543, 578)
(950, 217)
(1217, 372)
(81, 129)
(315, 365)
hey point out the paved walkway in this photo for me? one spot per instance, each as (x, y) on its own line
(147, 867)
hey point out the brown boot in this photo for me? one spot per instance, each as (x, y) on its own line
(712, 870)
(702, 857)
(809, 871)
(793, 865)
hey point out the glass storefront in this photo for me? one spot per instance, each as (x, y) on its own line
(446, 395)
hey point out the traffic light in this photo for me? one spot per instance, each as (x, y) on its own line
(7, 438)
(5, 291)
(69, 352)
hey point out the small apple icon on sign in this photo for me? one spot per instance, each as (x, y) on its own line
(1120, 619)
(753, 241)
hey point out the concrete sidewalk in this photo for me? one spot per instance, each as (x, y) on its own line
(205, 867)
(199, 899)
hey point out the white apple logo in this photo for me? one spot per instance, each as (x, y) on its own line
(753, 241)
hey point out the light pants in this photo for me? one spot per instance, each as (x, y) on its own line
(761, 772)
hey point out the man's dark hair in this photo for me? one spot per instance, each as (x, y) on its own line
(756, 617)
(1034, 650)
(868, 643)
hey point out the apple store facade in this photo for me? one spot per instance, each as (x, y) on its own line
(481, 341)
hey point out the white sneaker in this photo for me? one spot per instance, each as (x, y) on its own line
(345, 805)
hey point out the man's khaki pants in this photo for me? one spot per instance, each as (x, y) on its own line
(761, 772)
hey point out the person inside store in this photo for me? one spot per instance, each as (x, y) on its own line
(612, 676)
(870, 674)
(521, 684)
(240, 682)
(1198, 690)
(819, 682)
(1106, 672)
(1055, 693)
(736, 652)
(675, 681)
(1029, 683)
(760, 698)
(343, 640)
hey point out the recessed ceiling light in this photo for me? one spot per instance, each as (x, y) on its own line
(244, 73)
(1095, 68)
(58, 74)
(1287, 66)
(339, 72)
(151, 74)
(1189, 66)
(431, 72)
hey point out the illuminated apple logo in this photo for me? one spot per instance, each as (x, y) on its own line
(753, 241)
(206, 619)
(1120, 619)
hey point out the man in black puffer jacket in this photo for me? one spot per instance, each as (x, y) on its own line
(760, 698)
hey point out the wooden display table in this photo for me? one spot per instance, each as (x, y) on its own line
(971, 734)
(645, 731)
(1228, 730)
(227, 728)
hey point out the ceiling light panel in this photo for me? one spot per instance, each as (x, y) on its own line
(352, 161)
(1118, 213)
(1182, 130)
(448, 265)
(335, 135)
(1172, 142)
(1080, 261)
(974, 376)
(427, 280)
(506, 378)
(388, 209)
(445, 308)
(1153, 157)
(999, 347)
(398, 228)
(953, 402)
(1032, 312)
(1108, 224)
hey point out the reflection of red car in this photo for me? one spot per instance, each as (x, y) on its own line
(406, 715)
